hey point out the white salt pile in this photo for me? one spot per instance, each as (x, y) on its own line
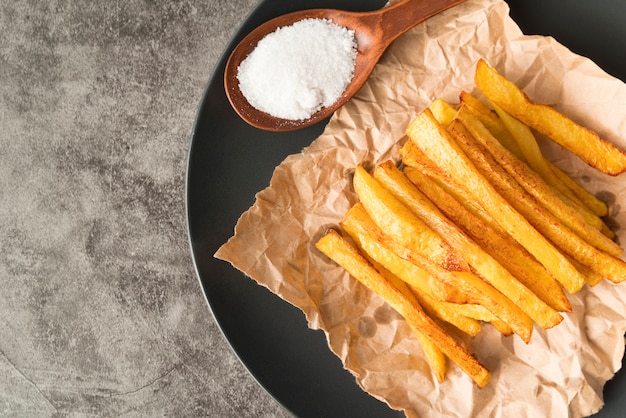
(296, 70)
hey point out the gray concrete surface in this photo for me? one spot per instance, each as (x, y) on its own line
(100, 311)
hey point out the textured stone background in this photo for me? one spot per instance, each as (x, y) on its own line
(100, 311)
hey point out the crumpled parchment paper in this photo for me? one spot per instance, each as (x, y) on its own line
(561, 372)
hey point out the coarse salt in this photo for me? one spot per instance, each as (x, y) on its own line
(297, 70)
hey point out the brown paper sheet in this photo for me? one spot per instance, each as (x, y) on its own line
(562, 371)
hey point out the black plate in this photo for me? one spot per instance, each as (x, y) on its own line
(230, 161)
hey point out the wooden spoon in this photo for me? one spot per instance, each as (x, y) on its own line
(374, 31)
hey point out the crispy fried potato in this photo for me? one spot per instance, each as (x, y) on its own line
(544, 221)
(357, 223)
(413, 156)
(530, 148)
(583, 142)
(540, 190)
(494, 124)
(482, 262)
(449, 313)
(344, 254)
(443, 111)
(370, 241)
(539, 164)
(401, 224)
(499, 305)
(472, 310)
(435, 356)
(500, 245)
(502, 327)
(491, 120)
(479, 227)
(477, 290)
(360, 226)
(450, 292)
(438, 145)
(596, 205)
(456, 273)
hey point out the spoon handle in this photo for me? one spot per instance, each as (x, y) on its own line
(405, 14)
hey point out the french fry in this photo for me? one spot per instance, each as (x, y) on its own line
(596, 205)
(414, 157)
(492, 122)
(588, 205)
(435, 356)
(530, 148)
(501, 246)
(449, 313)
(439, 146)
(360, 226)
(502, 327)
(497, 128)
(450, 278)
(469, 312)
(344, 254)
(412, 239)
(533, 184)
(586, 144)
(537, 162)
(472, 310)
(477, 290)
(550, 226)
(484, 264)
(442, 111)
(401, 224)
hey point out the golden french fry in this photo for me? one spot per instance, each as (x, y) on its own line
(497, 128)
(479, 313)
(477, 290)
(344, 254)
(472, 310)
(449, 313)
(479, 227)
(452, 270)
(413, 156)
(583, 142)
(360, 221)
(491, 120)
(484, 264)
(398, 222)
(435, 356)
(550, 226)
(360, 226)
(502, 327)
(530, 148)
(537, 162)
(501, 246)
(596, 205)
(439, 146)
(444, 291)
(443, 111)
(540, 190)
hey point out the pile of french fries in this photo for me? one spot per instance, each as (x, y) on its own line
(476, 226)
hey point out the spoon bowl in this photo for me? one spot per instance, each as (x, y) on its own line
(373, 31)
